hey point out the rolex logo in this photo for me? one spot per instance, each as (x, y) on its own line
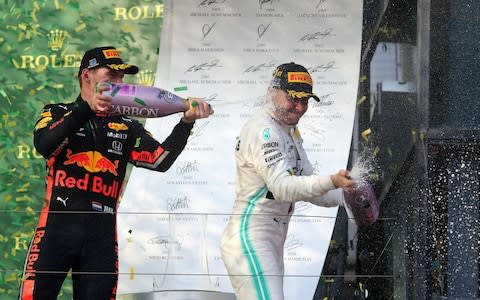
(56, 38)
(146, 77)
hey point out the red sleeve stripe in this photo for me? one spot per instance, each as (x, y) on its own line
(149, 159)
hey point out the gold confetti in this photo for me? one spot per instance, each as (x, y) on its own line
(30, 211)
(24, 188)
(132, 273)
(11, 277)
(127, 28)
(366, 133)
(363, 78)
(80, 27)
(361, 100)
(24, 198)
(20, 36)
(7, 198)
(376, 150)
(33, 15)
(58, 5)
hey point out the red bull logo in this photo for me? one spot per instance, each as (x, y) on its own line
(34, 253)
(117, 126)
(88, 182)
(92, 161)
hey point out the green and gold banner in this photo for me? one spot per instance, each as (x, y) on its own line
(41, 45)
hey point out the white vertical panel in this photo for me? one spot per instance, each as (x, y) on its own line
(226, 51)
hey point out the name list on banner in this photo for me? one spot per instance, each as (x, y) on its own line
(225, 52)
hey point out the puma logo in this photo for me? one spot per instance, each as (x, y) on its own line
(279, 220)
(64, 201)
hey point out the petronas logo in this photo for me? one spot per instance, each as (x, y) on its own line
(56, 38)
(146, 77)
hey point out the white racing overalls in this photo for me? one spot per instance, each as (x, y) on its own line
(272, 173)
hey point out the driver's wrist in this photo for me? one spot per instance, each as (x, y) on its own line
(187, 120)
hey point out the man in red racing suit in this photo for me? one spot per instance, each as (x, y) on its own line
(87, 153)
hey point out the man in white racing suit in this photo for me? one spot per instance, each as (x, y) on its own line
(272, 173)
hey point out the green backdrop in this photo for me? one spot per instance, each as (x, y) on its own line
(41, 44)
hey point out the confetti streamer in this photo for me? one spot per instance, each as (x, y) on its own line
(366, 133)
(180, 89)
(132, 273)
(361, 100)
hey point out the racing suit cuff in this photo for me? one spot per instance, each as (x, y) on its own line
(184, 126)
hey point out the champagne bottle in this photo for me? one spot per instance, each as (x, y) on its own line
(362, 202)
(144, 101)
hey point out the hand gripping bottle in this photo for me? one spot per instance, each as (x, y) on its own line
(144, 101)
(362, 202)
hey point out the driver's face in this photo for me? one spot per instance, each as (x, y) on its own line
(287, 109)
(104, 74)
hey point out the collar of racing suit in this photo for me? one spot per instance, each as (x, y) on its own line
(287, 128)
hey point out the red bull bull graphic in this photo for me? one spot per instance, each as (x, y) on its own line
(92, 161)
(105, 165)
